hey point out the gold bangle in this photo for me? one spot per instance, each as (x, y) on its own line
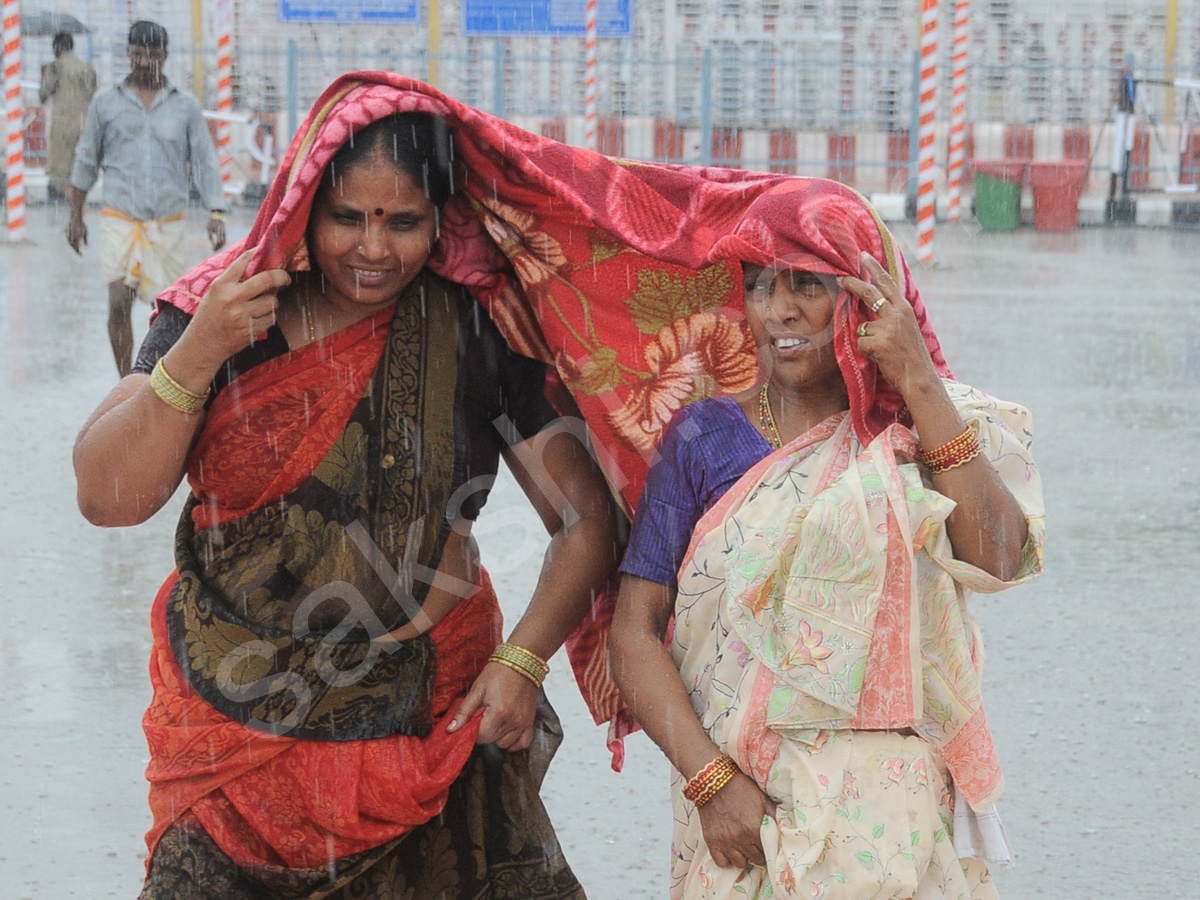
(172, 393)
(521, 660)
(524, 657)
(516, 668)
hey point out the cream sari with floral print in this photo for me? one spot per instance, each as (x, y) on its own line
(823, 632)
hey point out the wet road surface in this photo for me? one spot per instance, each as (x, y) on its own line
(1092, 671)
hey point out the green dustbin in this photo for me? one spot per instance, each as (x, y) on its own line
(998, 193)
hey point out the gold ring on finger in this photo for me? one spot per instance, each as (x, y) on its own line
(877, 304)
(862, 330)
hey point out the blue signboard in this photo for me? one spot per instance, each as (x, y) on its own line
(545, 17)
(349, 11)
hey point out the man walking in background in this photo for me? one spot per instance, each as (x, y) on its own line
(1120, 207)
(70, 83)
(150, 138)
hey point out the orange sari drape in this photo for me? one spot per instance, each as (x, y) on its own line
(336, 797)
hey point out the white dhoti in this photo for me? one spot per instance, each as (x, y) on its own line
(148, 255)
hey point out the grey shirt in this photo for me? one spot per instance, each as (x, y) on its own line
(145, 153)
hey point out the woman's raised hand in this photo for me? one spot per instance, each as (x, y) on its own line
(732, 821)
(233, 312)
(987, 527)
(893, 340)
(132, 452)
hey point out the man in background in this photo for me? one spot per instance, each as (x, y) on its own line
(70, 83)
(1120, 208)
(150, 138)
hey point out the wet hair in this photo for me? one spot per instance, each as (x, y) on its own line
(62, 42)
(151, 35)
(416, 143)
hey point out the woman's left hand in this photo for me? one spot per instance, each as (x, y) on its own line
(893, 339)
(509, 703)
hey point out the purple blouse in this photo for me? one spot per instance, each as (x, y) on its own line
(707, 447)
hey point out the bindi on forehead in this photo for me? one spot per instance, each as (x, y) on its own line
(379, 210)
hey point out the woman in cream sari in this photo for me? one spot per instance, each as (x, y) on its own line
(808, 552)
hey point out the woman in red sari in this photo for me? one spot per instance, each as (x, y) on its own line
(332, 716)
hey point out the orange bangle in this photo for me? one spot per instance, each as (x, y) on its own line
(949, 448)
(952, 454)
(703, 786)
(965, 457)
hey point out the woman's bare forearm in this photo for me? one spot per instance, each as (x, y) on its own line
(987, 527)
(648, 679)
(652, 689)
(578, 564)
(131, 454)
(568, 490)
(569, 493)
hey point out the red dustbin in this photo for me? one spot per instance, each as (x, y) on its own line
(1056, 187)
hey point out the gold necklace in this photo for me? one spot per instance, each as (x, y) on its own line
(766, 420)
(307, 314)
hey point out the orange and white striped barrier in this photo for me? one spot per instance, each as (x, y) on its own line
(15, 147)
(223, 24)
(589, 67)
(927, 112)
(958, 112)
